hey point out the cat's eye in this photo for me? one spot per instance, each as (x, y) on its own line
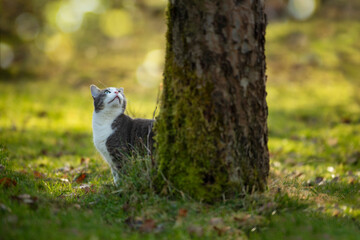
(106, 91)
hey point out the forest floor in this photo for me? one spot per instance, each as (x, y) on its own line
(54, 185)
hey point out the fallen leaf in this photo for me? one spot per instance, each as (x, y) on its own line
(216, 221)
(195, 230)
(148, 226)
(38, 174)
(85, 161)
(221, 230)
(182, 212)
(248, 220)
(80, 178)
(243, 218)
(7, 182)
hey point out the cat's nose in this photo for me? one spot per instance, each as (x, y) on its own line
(116, 92)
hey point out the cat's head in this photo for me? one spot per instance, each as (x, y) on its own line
(108, 99)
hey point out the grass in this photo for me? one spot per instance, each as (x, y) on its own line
(57, 187)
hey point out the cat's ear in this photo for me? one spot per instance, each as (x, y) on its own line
(95, 91)
(121, 90)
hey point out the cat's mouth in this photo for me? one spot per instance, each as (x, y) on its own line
(117, 97)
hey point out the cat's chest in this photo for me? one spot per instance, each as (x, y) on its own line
(101, 132)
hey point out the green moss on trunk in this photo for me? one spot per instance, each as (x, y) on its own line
(203, 147)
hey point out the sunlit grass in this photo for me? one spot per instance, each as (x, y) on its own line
(314, 142)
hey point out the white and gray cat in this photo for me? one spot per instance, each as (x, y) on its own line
(116, 135)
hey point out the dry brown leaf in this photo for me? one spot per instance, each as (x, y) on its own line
(148, 226)
(7, 182)
(182, 212)
(80, 178)
(243, 218)
(248, 220)
(221, 230)
(85, 161)
(38, 174)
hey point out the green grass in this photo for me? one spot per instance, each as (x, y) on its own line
(314, 141)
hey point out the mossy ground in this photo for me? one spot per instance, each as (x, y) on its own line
(314, 141)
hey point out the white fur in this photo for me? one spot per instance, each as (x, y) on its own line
(102, 127)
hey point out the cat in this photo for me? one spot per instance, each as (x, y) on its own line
(117, 136)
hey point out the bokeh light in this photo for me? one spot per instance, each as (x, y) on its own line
(70, 15)
(116, 23)
(6, 55)
(59, 48)
(149, 73)
(68, 19)
(27, 26)
(301, 9)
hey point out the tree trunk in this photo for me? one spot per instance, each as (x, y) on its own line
(212, 126)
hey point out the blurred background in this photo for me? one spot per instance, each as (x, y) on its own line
(83, 41)
(51, 51)
(121, 42)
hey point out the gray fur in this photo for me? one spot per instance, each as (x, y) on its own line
(130, 136)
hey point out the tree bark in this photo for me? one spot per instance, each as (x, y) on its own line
(212, 127)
